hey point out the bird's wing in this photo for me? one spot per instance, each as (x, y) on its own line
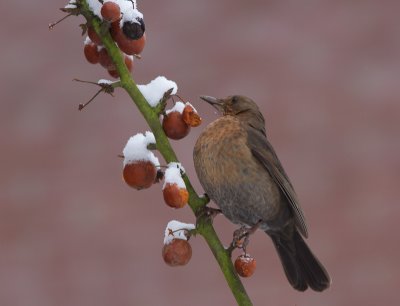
(265, 154)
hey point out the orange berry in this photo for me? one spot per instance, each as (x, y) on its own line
(93, 35)
(174, 126)
(110, 11)
(140, 174)
(177, 253)
(91, 53)
(245, 265)
(174, 196)
(190, 116)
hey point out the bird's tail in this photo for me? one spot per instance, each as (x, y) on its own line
(301, 267)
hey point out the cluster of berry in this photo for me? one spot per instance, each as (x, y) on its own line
(141, 168)
(128, 34)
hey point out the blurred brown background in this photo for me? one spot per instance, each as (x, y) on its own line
(325, 74)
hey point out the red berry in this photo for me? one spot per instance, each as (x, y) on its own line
(93, 35)
(177, 253)
(91, 53)
(110, 11)
(140, 174)
(174, 126)
(190, 116)
(130, 46)
(174, 196)
(127, 45)
(105, 60)
(245, 265)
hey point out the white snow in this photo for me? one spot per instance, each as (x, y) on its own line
(104, 81)
(71, 5)
(173, 175)
(87, 41)
(154, 91)
(95, 7)
(136, 149)
(178, 107)
(177, 230)
(131, 15)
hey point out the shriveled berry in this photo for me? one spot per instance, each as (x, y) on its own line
(140, 174)
(245, 265)
(110, 11)
(174, 196)
(91, 53)
(177, 253)
(93, 35)
(190, 116)
(174, 126)
(133, 30)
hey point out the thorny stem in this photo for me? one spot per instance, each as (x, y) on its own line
(197, 203)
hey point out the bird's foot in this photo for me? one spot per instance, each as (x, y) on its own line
(241, 237)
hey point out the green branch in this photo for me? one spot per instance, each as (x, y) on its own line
(204, 223)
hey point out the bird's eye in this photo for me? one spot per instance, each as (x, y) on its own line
(234, 99)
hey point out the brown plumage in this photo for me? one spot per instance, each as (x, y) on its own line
(240, 172)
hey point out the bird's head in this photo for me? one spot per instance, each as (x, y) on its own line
(245, 109)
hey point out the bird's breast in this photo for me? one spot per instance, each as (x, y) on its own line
(230, 174)
(221, 149)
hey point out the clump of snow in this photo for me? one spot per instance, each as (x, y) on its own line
(178, 107)
(173, 175)
(104, 81)
(95, 7)
(177, 230)
(247, 258)
(131, 16)
(71, 5)
(87, 41)
(154, 91)
(136, 149)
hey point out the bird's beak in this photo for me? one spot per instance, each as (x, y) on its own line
(214, 102)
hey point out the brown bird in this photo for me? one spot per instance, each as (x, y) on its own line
(240, 172)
